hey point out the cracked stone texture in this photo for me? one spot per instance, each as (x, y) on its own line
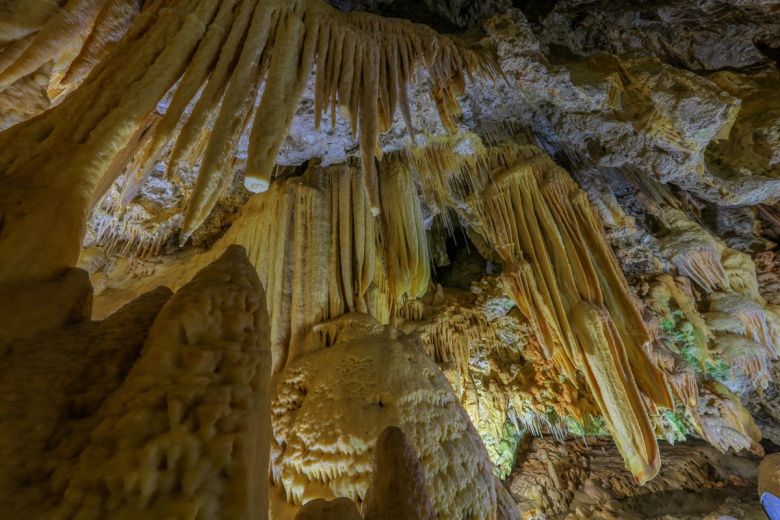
(584, 478)
(707, 35)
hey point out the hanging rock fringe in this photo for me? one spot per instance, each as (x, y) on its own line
(564, 278)
(218, 53)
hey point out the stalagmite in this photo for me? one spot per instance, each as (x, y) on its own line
(28, 308)
(333, 403)
(337, 509)
(64, 371)
(203, 383)
(593, 485)
(159, 410)
(397, 488)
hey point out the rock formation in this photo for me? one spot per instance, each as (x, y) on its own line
(161, 409)
(360, 378)
(357, 258)
(580, 480)
(369, 58)
(397, 488)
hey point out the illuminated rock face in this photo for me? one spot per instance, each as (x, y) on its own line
(490, 354)
(160, 410)
(223, 52)
(332, 404)
(155, 125)
(564, 278)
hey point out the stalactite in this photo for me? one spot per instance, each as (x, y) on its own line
(129, 229)
(489, 353)
(56, 160)
(741, 272)
(569, 283)
(724, 422)
(367, 63)
(403, 233)
(667, 297)
(683, 384)
(747, 355)
(715, 345)
(452, 167)
(738, 312)
(110, 26)
(666, 291)
(317, 250)
(752, 316)
(61, 29)
(301, 237)
(694, 252)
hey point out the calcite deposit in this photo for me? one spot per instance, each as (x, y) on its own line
(160, 410)
(379, 259)
(333, 403)
(581, 480)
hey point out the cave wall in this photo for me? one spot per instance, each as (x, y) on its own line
(556, 219)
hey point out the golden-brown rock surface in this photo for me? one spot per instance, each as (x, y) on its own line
(552, 220)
